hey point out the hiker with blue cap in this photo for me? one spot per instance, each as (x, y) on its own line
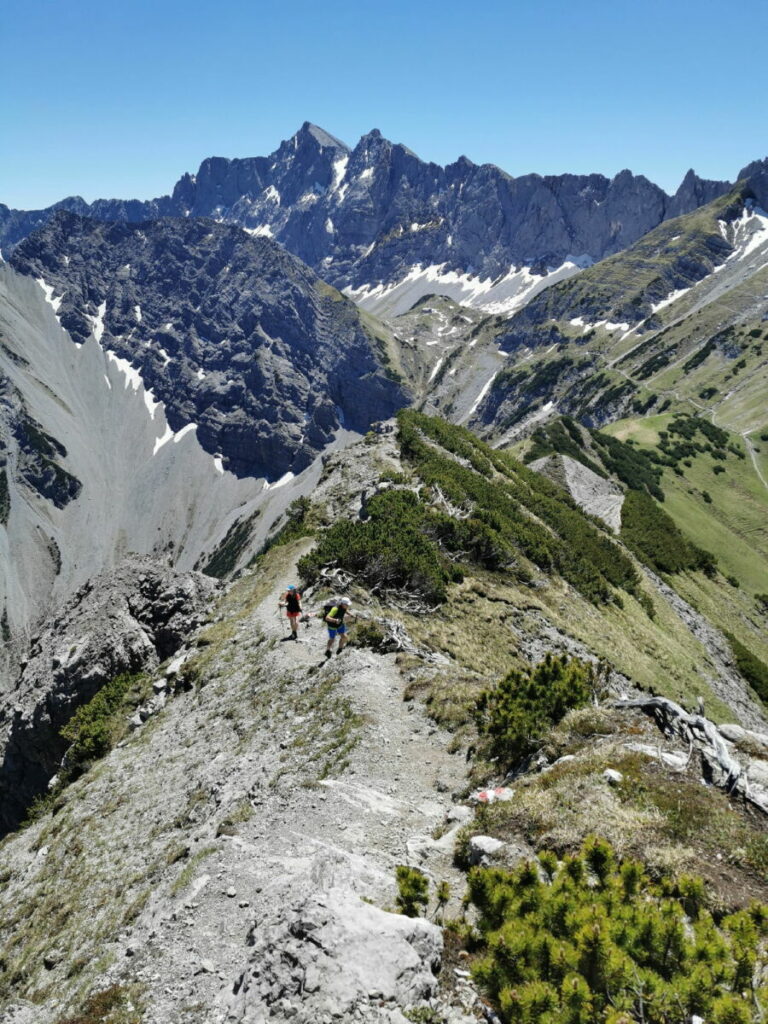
(291, 601)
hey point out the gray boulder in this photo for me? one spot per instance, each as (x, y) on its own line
(327, 952)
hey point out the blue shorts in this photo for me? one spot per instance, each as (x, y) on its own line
(340, 630)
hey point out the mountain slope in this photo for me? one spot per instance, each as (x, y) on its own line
(269, 796)
(91, 469)
(675, 321)
(230, 332)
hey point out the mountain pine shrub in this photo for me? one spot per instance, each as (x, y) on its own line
(654, 537)
(412, 890)
(593, 940)
(475, 506)
(514, 717)
(98, 725)
(750, 666)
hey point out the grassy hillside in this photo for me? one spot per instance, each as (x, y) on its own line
(674, 323)
(510, 567)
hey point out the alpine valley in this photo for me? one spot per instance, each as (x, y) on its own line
(521, 424)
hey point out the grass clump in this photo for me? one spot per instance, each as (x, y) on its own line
(592, 939)
(514, 717)
(114, 1005)
(654, 537)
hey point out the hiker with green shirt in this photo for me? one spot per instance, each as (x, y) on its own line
(336, 616)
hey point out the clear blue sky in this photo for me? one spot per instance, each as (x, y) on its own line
(105, 99)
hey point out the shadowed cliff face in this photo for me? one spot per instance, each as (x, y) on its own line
(125, 621)
(231, 332)
(366, 215)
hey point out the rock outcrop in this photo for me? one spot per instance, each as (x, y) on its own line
(595, 494)
(127, 620)
(328, 954)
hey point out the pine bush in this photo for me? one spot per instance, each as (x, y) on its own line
(593, 940)
(514, 717)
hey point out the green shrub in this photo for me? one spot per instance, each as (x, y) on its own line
(390, 549)
(750, 666)
(504, 497)
(654, 537)
(594, 940)
(412, 541)
(514, 717)
(98, 725)
(412, 890)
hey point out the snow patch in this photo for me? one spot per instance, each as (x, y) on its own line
(672, 297)
(504, 295)
(218, 462)
(271, 193)
(366, 174)
(435, 369)
(476, 404)
(49, 298)
(339, 172)
(200, 374)
(285, 479)
(329, 226)
(137, 311)
(132, 376)
(97, 322)
(262, 229)
(190, 427)
(160, 441)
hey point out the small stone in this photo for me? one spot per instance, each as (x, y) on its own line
(483, 848)
(612, 776)
(52, 958)
(207, 967)
(459, 813)
(231, 892)
(130, 951)
(243, 904)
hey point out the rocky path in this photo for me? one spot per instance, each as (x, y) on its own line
(258, 822)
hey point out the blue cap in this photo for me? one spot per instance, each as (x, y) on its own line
(291, 587)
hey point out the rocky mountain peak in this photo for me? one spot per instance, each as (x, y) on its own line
(312, 133)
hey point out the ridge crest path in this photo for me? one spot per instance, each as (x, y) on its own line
(247, 813)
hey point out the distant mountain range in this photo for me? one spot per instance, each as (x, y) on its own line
(386, 225)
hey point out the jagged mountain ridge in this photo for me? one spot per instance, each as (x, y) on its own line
(370, 215)
(230, 332)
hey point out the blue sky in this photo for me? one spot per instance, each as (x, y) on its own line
(118, 99)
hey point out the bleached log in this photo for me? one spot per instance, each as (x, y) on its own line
(695, 729)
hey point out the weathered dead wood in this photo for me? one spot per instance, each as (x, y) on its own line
(698, 731)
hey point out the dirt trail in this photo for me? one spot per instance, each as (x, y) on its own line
(377, 807)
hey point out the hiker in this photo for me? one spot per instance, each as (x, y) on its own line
(336, 617)
(291, 601)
